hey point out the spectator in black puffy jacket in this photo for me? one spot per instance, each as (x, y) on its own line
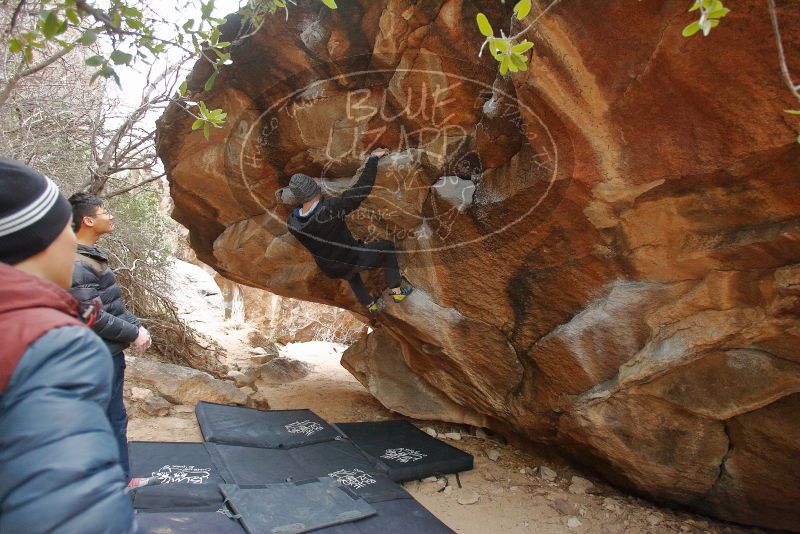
(118, 327)
(59, 462)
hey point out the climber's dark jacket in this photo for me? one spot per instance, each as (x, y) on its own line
(324, 231)
(59, 461)
(93, 278)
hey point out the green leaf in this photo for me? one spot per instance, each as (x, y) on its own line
(210, 82)
(14, 45)
(502, 45)
(792, 111)
(50, 25)
(330, 3)
(206, 131)
(136, 24)
(522, 47)
(183, 88)
(798, 138)
(28, 54)
(197, 124)
(188, 25)
(484, 26)
(120, 58)
(522, 9)
(691, 29)
(72, 15)
(95, 61)
(88, 38)
(504, 65)
(719, 13)
(206, 9)
(129, 11)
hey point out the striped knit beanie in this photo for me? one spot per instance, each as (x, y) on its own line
(33, 213)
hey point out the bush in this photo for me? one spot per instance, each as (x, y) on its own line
(140, 252)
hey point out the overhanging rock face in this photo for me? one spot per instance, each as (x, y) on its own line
(606, 247)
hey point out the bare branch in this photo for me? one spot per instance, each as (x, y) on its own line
(773, 15)
(5, 92)
(14, 17)
(134, 186)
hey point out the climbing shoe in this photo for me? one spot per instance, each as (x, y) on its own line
(373, 308)
(404, 292)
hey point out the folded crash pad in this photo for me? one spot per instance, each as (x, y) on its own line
(295, 507)
(187, 478)
(275, 429)
(340, 460)
(403, 451)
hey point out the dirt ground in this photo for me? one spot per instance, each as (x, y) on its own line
(507, 495)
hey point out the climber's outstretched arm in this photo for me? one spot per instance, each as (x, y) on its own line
(353, 197)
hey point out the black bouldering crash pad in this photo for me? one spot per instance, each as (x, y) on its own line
(187, 477)
(295, 507)
(187, 523)
(404, 452)
(274, 429)
(340, 460)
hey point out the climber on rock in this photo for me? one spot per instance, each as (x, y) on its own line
(319, 225)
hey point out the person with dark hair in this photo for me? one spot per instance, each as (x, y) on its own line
(319, 225)
(59, 461)
(117, 326)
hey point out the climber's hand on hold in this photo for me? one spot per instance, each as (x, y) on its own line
(380, 152)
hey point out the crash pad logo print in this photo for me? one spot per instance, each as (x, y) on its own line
(403, 455)
(182, 474)
(306, 428)
(355, 478)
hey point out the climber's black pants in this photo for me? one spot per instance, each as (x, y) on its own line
(375, 254)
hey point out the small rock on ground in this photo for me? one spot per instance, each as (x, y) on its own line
(547, 474)
(469, 498)
(493, 455)
(580, 485)
(241, 379)
(565, 507)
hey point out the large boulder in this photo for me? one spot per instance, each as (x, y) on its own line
(605, 247)
(182, 385)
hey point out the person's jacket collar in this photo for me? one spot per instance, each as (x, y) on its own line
(20, 291)
(92, 252)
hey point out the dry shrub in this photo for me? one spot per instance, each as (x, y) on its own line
(140, 253)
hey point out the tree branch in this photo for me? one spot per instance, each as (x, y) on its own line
(14, 17)
(773, 15)
(134, 186)
(33, 69)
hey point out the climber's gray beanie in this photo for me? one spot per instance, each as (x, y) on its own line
(303, 187)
